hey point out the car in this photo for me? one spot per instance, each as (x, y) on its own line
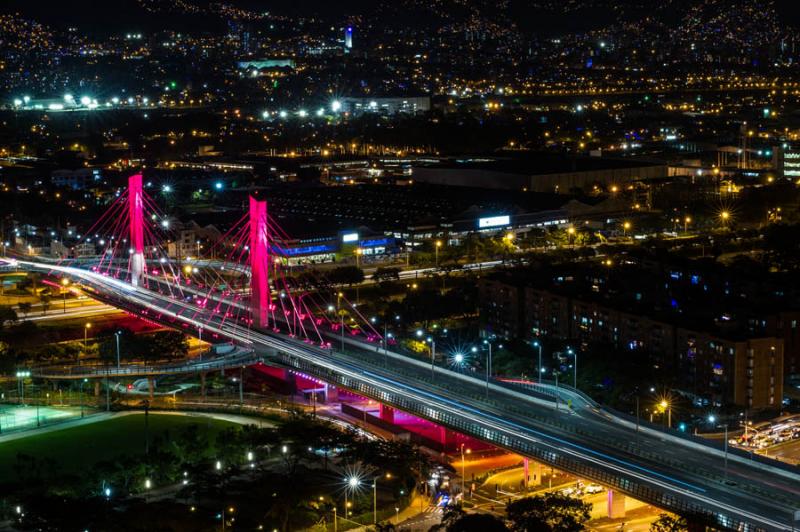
(571, 491)
(594, 488)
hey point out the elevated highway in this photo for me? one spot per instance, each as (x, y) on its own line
(676, 473)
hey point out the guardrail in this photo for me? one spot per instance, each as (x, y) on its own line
(107, 370)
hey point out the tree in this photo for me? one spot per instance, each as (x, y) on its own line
(45, 301)
(551, 511)
(478, 523)
(669, 523)
(7, 315)
(348, 275)
(455, 519)
(25, 307)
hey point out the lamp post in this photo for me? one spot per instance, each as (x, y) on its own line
(352, 484)
(712, 419)
(436, 250)
(341, 315)
(432, 341)
(116, 337)
(64, 285)
(84, 381)
(489, 373)
(555, 375)
(574, 354)
(86, 328)
(666, 407)
(537, 344)
(375, 497)
(463, 469)
(21, 376)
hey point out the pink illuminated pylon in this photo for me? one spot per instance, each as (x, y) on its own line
(136, 214)
(259, 262)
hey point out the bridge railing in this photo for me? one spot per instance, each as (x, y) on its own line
(102, 370)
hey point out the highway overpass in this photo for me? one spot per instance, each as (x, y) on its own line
(674, 472)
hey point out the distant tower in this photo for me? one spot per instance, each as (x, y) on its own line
(348, 38)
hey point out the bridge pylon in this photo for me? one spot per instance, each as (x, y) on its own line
(136, 217)
(259, 263)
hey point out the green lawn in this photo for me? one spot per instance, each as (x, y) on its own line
(81, 447)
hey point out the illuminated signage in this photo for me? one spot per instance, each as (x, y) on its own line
(494, 221)
(350, 237)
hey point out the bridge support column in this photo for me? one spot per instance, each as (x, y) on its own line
(203, 385)
(136, 220)
(97, 388)
(151, 385)
(331, 393)
(616, 505)
(259, 263)
(386, 413)
(532, 472)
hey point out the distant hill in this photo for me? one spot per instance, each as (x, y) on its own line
(534, 17)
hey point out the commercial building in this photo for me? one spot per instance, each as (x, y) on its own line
(390, 105)
(539, 172)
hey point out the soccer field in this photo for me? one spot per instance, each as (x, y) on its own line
(79, 447)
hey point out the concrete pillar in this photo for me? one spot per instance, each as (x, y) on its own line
(291, 382)
(151, 384)
(616, 505)
(331, 393)
(97, 388)
(387, 413)
(535, 474)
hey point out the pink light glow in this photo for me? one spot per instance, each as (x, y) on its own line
(259, 262)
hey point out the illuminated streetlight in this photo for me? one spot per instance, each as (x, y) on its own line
(86, 328)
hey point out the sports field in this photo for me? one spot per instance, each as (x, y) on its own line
(13, 417)
(80, 447)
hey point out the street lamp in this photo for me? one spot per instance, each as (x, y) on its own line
(436, 250)
(64, 284)
(537, 344)
(351, 484)
(375, 497)
(86, 333)
(625, 227)
(574, 354)
(21, 376)
(463, 474)
(432, 341)
(686, 221)
(713, 419)
(84, 381)
(665, 406)
(116, 337)
(725, 216)
(489, 374)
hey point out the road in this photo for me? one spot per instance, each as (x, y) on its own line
(676, 472)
